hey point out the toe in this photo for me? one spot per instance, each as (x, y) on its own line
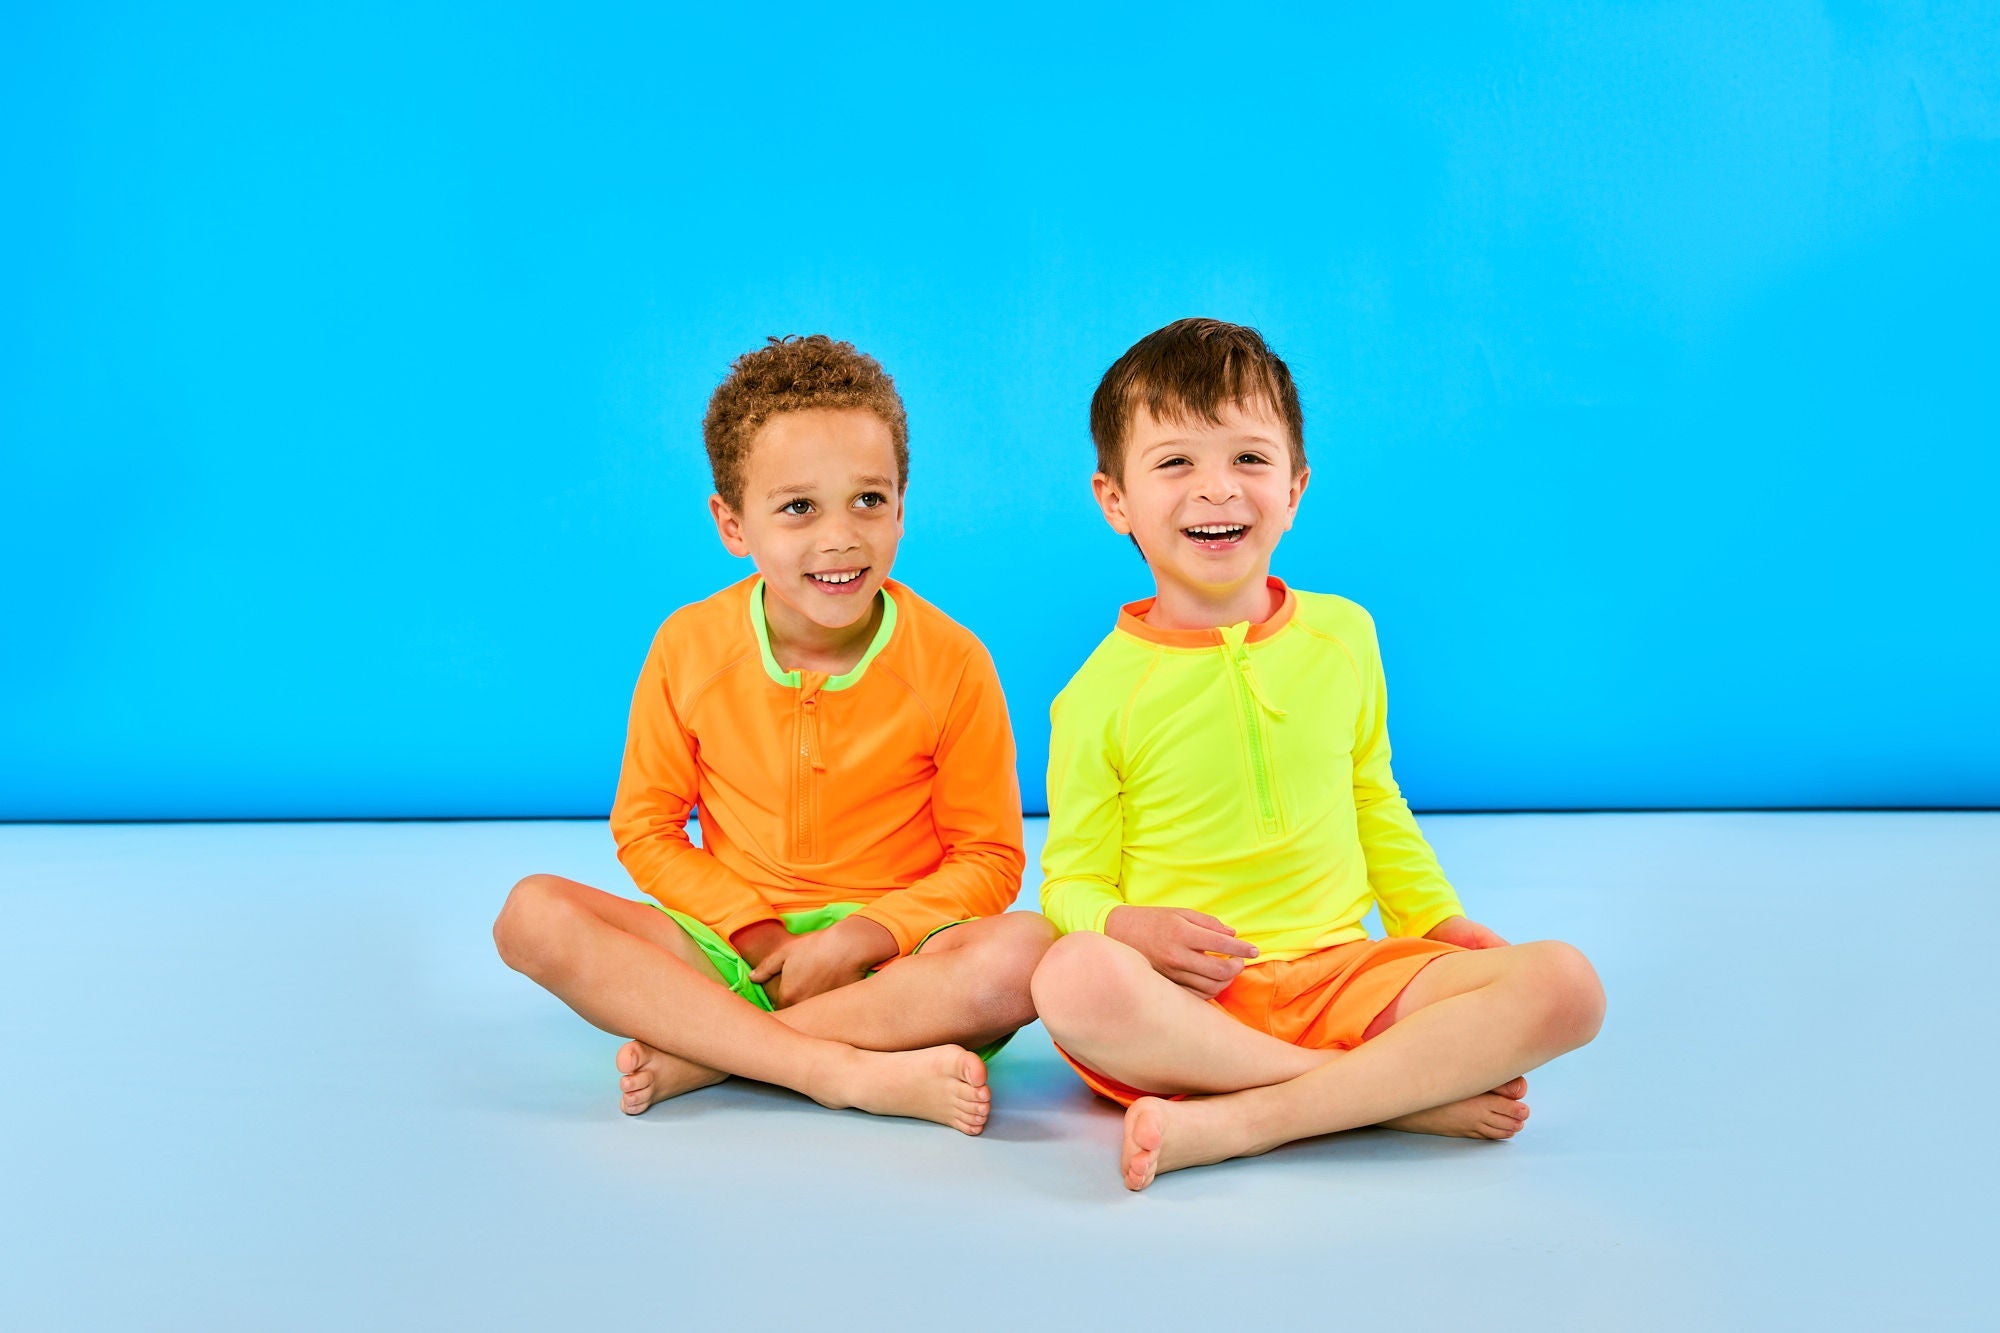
(972, 1070)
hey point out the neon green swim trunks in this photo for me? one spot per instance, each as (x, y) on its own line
(735, 968)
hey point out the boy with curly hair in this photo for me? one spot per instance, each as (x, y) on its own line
(1222, 816)
(842, 928)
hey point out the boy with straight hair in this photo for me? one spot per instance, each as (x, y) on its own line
(842, 930)
(1222, 815)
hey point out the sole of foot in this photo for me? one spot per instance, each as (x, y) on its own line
(1145, 1137)
(648, 1076)
(1499, 1114)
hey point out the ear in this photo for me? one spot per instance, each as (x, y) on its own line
(1298, 493)
(1112, 501)
(728, 526)
(901, 491)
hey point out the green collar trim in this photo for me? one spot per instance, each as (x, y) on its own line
(794, 679)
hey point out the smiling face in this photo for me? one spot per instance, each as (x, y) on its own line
(1207, 503)
(821, 516)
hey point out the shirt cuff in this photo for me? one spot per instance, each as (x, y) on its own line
(744, 917)
(908, 935)
(1427, 921)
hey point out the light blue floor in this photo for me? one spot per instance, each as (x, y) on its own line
(272, 1076)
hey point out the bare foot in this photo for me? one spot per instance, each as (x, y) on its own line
(1163, 1136)
(649, 1076)
(1498, 1114)
(946, 1084)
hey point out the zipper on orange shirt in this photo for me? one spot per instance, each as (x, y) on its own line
(806, 767)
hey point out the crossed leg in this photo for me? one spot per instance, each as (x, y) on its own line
(632, 971)
(1468, 1023)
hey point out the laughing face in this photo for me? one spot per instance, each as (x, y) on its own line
(822, 513)
(1206, 502)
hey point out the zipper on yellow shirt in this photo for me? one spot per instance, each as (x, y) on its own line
(1251, 707)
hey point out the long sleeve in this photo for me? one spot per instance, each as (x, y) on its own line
(1403, 872)
(1084, 852)
(658, 786)
(976, 803)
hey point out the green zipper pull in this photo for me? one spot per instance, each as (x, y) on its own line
(1236, 639)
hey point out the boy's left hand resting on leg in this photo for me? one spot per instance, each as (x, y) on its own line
(802, 966)
(1465, 933)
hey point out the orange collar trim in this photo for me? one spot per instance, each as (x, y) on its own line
(1132, 620)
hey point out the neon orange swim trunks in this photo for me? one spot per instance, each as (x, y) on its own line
(1323, 1001)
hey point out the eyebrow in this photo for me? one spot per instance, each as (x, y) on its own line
(803, 488)
(1181, 442)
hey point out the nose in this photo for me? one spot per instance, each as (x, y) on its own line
(838, 536)
(1217, 485)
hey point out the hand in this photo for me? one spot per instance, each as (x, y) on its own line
(1466, 934)
(757, 940)
(1181, 944)
(803, 966)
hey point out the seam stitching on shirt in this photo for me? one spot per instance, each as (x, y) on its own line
(930, 715)
(1353, 662)
(1131, 704)
(717, 674)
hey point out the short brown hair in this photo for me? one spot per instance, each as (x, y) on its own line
(795, 374)
(1192, 368)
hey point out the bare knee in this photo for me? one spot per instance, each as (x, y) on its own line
(527, 929)
(1086, 988)
(1004, 962)
(1571, 998)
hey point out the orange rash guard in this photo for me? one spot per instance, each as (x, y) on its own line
(891, 786)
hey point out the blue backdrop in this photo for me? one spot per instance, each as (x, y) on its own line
(352, 359)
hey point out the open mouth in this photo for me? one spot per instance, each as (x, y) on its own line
(1216, 536)
(837, 580)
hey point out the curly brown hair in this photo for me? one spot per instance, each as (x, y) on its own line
(1192, 368)
(795, 374)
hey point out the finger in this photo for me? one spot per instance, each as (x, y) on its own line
(1213, 941)
(1219, 970)
(1206, 987)
(1209, 942)
(772, 965)
(799, 993)
(1203, 919)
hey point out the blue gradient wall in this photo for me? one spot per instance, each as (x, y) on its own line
(352, 359)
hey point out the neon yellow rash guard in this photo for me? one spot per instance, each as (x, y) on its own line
(1242, 772)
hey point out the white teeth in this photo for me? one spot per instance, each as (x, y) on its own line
(836, 578)
(1216, 529)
